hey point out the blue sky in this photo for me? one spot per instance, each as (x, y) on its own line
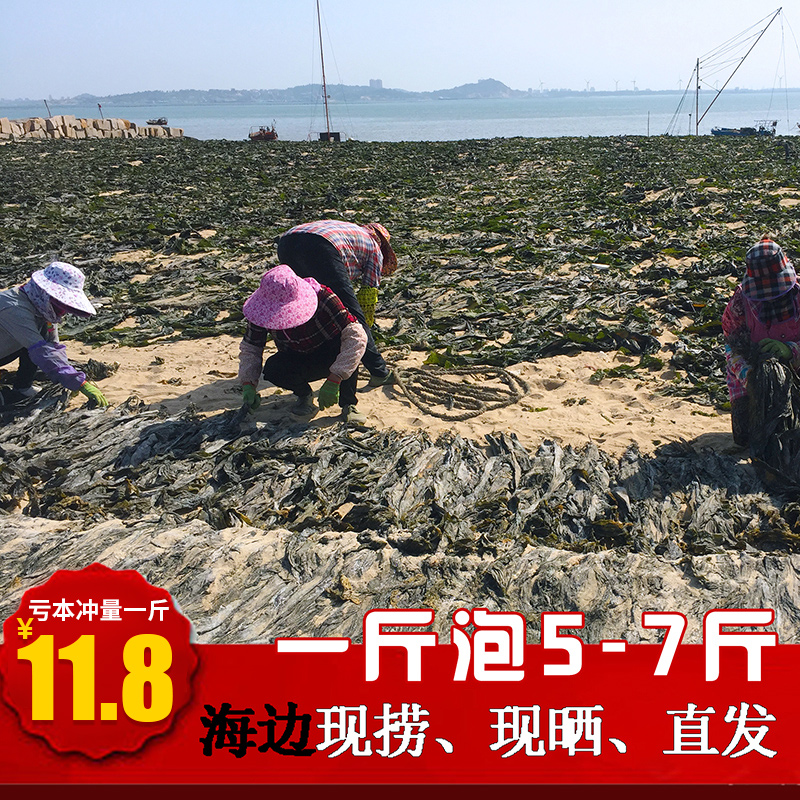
(62, 48)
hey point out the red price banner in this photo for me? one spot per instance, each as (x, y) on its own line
(97, 661)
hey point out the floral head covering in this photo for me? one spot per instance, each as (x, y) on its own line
(41, 302)
(61, 282)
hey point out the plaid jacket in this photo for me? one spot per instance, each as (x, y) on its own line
(360, 252)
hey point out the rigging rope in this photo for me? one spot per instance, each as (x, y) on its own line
(426, 387)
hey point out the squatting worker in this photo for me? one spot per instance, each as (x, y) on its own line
(764, 311)
(316, 337)
(29, 317)
(339, 254)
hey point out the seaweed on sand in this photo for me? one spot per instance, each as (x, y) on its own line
(509, 249)
(404, 491)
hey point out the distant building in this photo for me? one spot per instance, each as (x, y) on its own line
(375, 83)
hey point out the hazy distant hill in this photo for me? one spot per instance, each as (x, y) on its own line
(310, 93)
(486, 89)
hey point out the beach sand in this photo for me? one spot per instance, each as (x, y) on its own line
(562, 403)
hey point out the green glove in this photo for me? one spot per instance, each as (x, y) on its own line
(94, 394)
(367, 297)
(328, 394)
(250, 396)
(775, 348)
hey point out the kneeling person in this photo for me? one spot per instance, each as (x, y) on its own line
(29, 318)
(316, 337)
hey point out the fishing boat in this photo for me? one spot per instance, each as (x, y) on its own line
(159, 121)
(764, 127)
(263, 133)
(327, 135)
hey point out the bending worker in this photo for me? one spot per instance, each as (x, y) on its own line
(764, 312)
(316, 337)
(29, 317)
(337, 254)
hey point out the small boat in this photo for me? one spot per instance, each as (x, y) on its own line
(263, 133)
(726, 53)
(327, 135)
(764, 127)
(159, 121)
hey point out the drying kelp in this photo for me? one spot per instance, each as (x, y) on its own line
(509, 249)
(243, 584)
(774, 394)
(403, 491)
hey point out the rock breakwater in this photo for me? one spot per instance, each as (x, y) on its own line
(66, 126)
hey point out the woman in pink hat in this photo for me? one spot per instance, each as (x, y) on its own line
(764, 312)
(339, 254)
(29, 317)
(316, 337)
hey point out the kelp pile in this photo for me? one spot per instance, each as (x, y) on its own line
(510, 250)
(403, 491)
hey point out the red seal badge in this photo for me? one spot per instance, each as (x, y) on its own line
(97, 661)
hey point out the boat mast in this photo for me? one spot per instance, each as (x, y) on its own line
(697, 100)
(699, 119)
(324, 84)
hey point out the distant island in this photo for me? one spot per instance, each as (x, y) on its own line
(486, 89)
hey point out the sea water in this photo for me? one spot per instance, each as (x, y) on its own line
(546, 114)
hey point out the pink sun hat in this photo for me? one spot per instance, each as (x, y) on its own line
(64, 283)
(283, 300)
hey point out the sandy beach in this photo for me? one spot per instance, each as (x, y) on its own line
(562, 403)
(595, 271)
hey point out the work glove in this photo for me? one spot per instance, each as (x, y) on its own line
(328, 394)
(367, 297)
(250, 396)
(94, 394)
(775, 348)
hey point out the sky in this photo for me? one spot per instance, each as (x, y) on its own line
(62, 48)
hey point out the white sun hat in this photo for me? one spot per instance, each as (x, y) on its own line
(64, 283)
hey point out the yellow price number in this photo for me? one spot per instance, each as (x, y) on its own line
(40, 654)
